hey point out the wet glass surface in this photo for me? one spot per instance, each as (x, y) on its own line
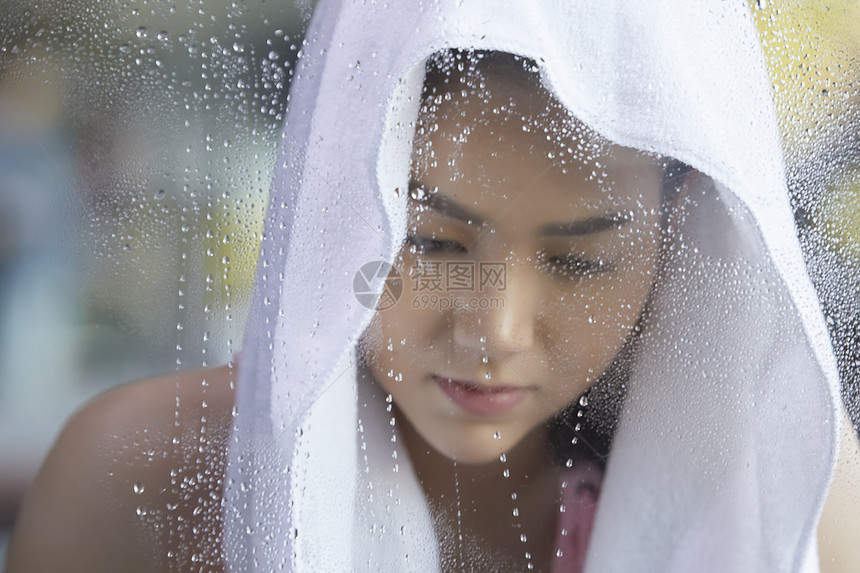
(137, 146)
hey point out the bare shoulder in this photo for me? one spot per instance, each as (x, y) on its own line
(133, 483)
(839, 528)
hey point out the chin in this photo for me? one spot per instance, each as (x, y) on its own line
(473, 449)
(474, 457)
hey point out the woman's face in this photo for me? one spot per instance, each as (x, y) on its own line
(532, 247)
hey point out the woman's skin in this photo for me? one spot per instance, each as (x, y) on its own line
(134, 481)
(133, 484)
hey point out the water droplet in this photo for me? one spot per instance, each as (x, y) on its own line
(503, 458)
(583, 401)
(138, 488)
(497, 435)
(523, 537)
(141, 32)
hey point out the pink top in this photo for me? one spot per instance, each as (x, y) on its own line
(580, 488)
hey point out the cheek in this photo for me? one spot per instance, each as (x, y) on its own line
(587, 324)
(584, 334)
(422, 316)
(411, 322)
(396, 337)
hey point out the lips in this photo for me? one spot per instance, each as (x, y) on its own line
(480, 399)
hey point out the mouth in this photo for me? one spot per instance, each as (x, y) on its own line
(481, 399)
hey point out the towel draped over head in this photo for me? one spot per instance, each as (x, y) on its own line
(727, 436)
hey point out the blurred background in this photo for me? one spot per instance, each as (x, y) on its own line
(137, 142)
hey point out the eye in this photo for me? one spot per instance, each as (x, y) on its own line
(429, 246)
(574, 267)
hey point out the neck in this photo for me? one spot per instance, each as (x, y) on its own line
(524, 464)
(483, 510)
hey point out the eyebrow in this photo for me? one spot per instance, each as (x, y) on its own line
(449, 208)
(585, 226)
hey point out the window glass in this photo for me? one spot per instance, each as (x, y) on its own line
(139, 142)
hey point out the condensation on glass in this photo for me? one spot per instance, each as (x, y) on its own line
(137, 146)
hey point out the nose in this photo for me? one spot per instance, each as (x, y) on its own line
(502, 317)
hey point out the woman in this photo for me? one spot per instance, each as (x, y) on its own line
(412, 433)
(575, 244)
(700, 466)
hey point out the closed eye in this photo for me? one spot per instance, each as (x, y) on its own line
(574, 267)
(429, 246)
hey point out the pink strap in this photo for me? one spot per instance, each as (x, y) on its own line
(580, 489)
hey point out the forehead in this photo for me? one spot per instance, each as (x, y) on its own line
(488, 135)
